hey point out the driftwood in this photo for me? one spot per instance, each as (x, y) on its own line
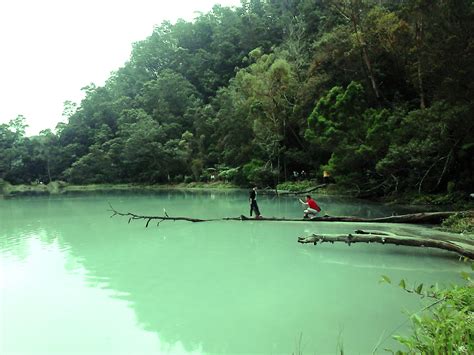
(360, 236)
(414, 218)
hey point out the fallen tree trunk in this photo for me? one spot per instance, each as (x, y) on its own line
(360, 236)
(414, 218)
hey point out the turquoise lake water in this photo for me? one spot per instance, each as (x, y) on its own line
(75, 281)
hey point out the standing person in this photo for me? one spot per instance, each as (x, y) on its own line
(312, 209)
(253, 203)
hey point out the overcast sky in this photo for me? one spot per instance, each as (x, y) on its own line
(50, 49)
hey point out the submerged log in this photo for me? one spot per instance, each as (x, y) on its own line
(360, 236)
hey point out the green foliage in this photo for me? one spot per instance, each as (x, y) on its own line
(459, 223)
(258, 173)
(447, 328)
(229, 174)
(355, 135)
(376, 92)
(196, 168)
(386, 279)
(429, 148)
(296, 185)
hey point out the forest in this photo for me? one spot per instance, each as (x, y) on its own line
(377, 93)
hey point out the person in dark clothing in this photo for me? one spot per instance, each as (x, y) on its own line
(253, 203)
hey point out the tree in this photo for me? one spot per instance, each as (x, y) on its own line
(267, 89)
(355, 135)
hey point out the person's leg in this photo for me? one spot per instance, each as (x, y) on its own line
(257, 211)
(312, 212)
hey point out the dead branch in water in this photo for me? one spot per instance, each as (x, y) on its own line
(360, 236)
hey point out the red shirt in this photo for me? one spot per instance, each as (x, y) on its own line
(312, 204)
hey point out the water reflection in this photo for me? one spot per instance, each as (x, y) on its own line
(47, 289)
(224, 287)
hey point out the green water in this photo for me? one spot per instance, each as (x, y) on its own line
(74, 281)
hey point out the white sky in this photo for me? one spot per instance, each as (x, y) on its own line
(50, 49)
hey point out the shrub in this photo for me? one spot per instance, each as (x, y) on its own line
(257, 173)
(459, 223)
(296, 185)
(229, 174)
(446, 326)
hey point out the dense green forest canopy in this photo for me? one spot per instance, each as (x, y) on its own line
(378, 93)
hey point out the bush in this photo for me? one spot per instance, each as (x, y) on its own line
(178, 178)
(196, 168)
(229, 174)
(446, 326)
(257, 173)
(459, 223)
(296, 185)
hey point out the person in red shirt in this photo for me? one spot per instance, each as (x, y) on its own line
(313, 209)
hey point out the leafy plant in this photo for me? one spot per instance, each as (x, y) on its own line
(459, 223)
(446, 326)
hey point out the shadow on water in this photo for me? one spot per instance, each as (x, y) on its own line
(233, 287)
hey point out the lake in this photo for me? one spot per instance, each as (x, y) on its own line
(75, 281)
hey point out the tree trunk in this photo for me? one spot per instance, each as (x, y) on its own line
(360, 236)
(48, 170)
(364, 54)
(419, 43)
(414, 218)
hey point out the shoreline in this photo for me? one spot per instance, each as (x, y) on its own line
(58, 188)
(456, 225)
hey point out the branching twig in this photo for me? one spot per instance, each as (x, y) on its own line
(133, 216)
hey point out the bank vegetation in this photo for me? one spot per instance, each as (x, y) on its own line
(374, 96)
